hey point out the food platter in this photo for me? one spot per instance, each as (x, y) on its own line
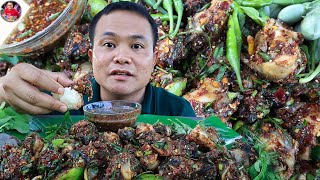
(228, 135)
(186, 133)
(265, 85)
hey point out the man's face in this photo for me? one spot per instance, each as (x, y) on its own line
(9, 5)
(122, 55)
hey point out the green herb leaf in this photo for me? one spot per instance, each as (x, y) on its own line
(11, 120)
(254, 15)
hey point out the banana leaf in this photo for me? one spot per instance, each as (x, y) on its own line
(39, 124)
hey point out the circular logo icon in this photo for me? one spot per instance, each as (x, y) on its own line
(10, 11)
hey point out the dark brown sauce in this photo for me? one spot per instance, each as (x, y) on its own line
(115, 118)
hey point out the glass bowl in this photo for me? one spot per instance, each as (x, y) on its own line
(112, 115)
(47, 38)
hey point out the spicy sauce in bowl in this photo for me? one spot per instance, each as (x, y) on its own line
(112, 115)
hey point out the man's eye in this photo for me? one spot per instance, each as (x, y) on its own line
(109, 45)
(137, 46)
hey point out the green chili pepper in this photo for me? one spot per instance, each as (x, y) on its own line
(157, 4)
(178, 5)
(167, 5)
(24, 34)
(232, 52)
(289, 2)
(237, 30)
(53, 16)
(153, 2)
(254, 3)
(163, 17)
(264, 56)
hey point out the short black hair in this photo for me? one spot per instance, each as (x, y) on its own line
(125, 6)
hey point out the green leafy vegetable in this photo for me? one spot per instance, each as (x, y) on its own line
(58, 129)
(96, 6)
(11, 59)
(254, 15)
(263, 167)
(12, 120)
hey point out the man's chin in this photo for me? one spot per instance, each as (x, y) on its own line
(120, 89)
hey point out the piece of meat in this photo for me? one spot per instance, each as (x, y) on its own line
(170, 51)
(77, 43)
(84, 131)
(277, 55)
(213, 94)
(207, 138)
(303, 120)
(281, 142)
(123, 166)
(209, 25)
(176, 167)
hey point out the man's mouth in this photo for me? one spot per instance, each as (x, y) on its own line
(121, 73)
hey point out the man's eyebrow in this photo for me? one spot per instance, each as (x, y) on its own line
(137, 36)
(133, 36)
(109, 34)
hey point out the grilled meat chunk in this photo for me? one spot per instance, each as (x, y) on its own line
(276, 52)
(209, 25)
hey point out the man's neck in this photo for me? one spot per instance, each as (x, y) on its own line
(135, 97)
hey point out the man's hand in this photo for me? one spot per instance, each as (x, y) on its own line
(22, 85)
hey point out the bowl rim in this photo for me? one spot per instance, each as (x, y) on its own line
(138, 107)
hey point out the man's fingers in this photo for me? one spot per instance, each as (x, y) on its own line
(24, 107)
(38, 78)
(33, 96)
(61, 78)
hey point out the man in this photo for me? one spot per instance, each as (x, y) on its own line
(123, 37)
(10, 13)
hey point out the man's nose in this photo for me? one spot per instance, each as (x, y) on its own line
(122, 56)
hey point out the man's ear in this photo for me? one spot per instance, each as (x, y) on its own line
(90, 55)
